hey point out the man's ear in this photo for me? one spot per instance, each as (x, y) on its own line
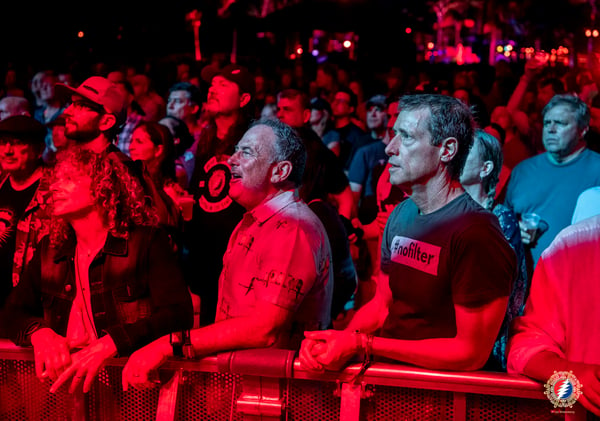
(281, 171)
(159, 151)
(486, 169)
(107, 121)
(244, 100)
(306, 116)
(448, 150)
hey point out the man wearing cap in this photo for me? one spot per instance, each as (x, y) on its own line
(23, 196)
(227, 112)
(93, 120)
(370, 155)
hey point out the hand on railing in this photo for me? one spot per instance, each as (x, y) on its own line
(140, 370)
(328, 349)
(52, 354)
(86, 364)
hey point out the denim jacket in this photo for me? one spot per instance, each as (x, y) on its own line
(137, 291)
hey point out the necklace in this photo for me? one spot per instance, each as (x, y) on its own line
(81, 288)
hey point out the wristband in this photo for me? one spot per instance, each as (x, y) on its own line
(182, 344)
(176, 341)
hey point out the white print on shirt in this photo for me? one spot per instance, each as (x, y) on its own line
(7, 225)
(215, 186)
(416, 254)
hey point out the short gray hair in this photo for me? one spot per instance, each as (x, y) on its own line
(288, 147)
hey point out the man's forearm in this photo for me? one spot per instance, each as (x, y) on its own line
(437, 354)
(370, 317)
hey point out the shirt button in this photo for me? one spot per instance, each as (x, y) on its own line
(68, 287)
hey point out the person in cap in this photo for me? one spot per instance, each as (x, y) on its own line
(215, 214)
(23, 197)
(93, 119)
(320, 117)
(370, 153)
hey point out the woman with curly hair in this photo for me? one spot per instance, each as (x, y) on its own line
(105, 281)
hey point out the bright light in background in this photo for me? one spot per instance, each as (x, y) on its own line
(299, 50)
(347, 44)
(315, 53)
(499, 49)
(595, 33)
(430, 45)
(80, 34)
(588, 33)
(469, 23)
(408, 30)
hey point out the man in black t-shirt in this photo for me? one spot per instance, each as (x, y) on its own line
(446, 268)
(22, 196)
(227, 111)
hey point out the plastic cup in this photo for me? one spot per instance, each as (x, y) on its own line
(531, 221)
(186, 204)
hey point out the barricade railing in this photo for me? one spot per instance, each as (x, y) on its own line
(269, 384)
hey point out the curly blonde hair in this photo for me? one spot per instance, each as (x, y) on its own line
(117, 193)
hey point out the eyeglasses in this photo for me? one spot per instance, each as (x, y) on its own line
(89, 106)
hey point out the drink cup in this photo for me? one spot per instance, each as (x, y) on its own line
(186, 204)
(531, 222)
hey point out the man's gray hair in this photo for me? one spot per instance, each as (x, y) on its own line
(288, 147)
(580, 108)
(448, 117)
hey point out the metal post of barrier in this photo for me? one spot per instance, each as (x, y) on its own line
(350, 402)
(260, 399)
(167, 398)
(459, 406)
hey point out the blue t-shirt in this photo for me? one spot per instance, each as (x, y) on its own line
(537, 185)
(366, 158)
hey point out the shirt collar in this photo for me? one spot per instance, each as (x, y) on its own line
(116, 246)
(267, 209)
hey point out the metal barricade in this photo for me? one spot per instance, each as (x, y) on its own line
(270, 385)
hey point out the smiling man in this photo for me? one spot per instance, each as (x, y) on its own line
(446, 269)
(550, 183)
(276, 280)
(23, 196)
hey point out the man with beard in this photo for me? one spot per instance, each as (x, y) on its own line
(93, 119)
(215, 213)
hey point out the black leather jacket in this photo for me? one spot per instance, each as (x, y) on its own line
(137, 291)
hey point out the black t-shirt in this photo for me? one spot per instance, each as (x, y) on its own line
(215, 216)
(456, 255)
(13, 204)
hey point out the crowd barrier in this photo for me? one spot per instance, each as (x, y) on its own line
(271, 385)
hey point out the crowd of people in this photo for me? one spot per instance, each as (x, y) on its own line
(432, 223)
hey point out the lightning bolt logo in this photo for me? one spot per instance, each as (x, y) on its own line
(564, 389)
